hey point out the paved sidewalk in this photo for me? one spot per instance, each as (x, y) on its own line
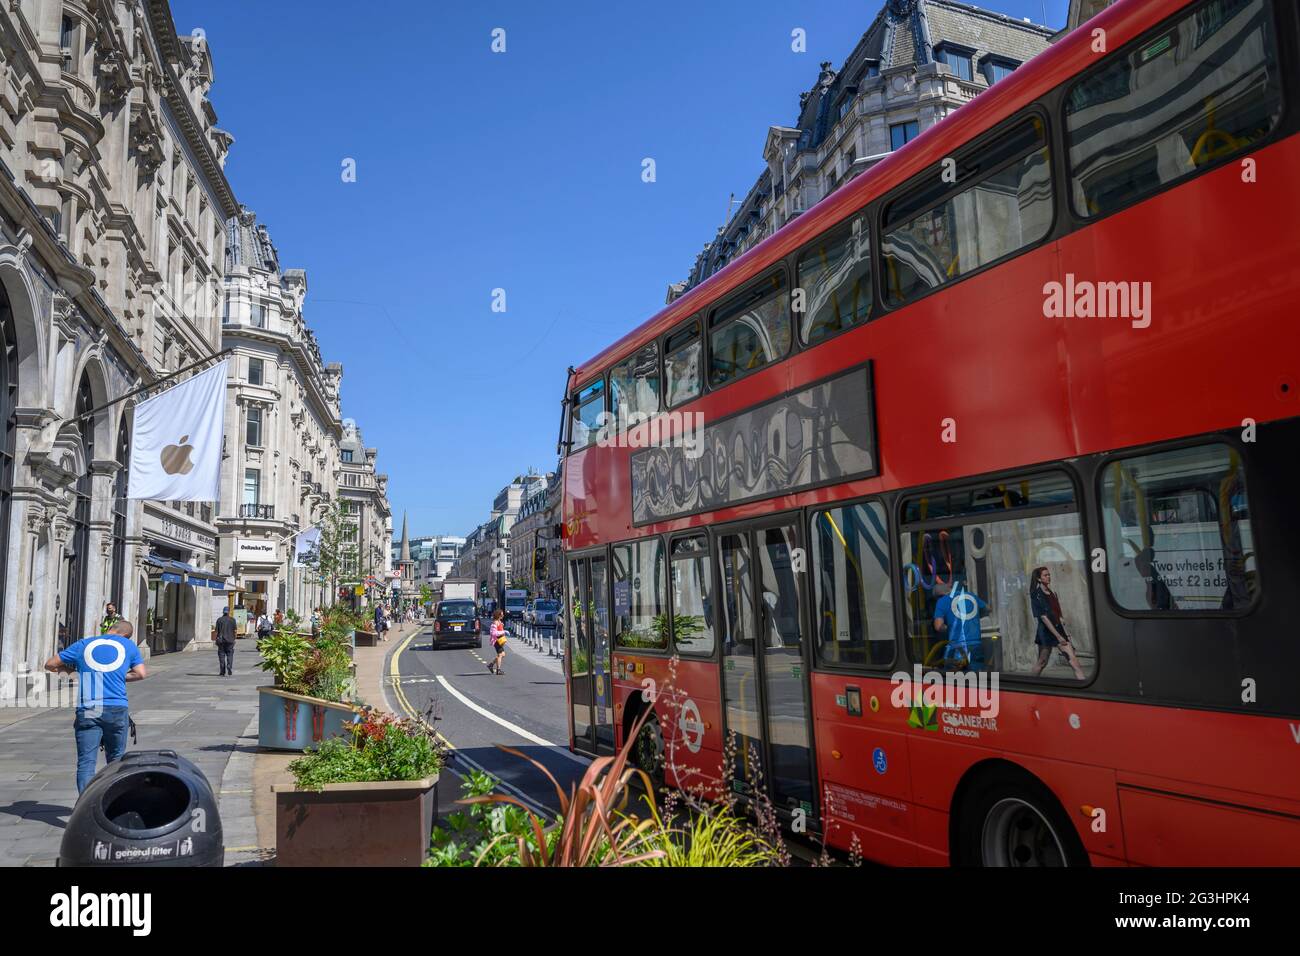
(183, 705)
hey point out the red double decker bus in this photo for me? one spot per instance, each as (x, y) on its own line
(961, 505)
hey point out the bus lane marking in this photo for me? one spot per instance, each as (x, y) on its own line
(513, 728)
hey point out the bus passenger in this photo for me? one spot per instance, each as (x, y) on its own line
(957, 614)
(1046, 608)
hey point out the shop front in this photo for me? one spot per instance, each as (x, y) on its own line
(177, 584)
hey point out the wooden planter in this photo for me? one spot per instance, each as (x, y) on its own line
(366, 638)
(288, 721)
(355, 824)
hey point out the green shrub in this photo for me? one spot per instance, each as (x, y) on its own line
(380, 748)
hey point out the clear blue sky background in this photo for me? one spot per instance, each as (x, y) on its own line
(478, 170)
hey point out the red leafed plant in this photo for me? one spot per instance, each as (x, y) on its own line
(591, 831)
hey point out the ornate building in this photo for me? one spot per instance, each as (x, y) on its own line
(364, 493)
(917, 62)
(534, 546)
(283, 426)
(112, 209)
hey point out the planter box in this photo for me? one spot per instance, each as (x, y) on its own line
(288, 721)
(366, 639)
(355, 824)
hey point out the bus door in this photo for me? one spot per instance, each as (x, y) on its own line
(764, 667)
(587, 656)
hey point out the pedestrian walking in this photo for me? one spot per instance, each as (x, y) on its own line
(111, 617)
(315, 623)
(225, 638)
(264, 626)
(104, 665)
(381, 622)
(498, 635)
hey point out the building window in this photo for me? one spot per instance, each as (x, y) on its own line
(225, 309)
(1187, 98)
(8, 428)
(749, 332)
(902, 133)
(352, 479)
(121, 508)
(958, 60)
(257, 315)
(252, 486)
(347, 454)
(254, 371)
(1178, 526)
(253, 427)
(1001, 203)
(995, 70)
(74, 611)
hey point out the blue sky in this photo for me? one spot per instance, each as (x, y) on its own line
(477, 171)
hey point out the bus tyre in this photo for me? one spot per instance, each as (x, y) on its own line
(1009, 818)
(648, 752)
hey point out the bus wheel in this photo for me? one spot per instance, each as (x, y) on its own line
(648, 752)
(1011, 819)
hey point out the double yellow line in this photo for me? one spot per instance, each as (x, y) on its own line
(395, 677)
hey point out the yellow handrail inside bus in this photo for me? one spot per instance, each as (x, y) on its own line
(1214, 143)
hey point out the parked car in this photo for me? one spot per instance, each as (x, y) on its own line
(456, 622)
(545, 612)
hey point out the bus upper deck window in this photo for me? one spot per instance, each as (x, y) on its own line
(682, 365)
(1198, 91)
(588, 414)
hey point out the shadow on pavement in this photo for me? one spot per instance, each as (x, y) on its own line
(33, 809)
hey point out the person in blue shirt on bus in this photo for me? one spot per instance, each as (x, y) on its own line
(957, 616)
(103, 665)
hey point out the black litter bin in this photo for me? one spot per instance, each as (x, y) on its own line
(151, 808)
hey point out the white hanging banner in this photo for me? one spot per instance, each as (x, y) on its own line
(176, 441)
(306, 552)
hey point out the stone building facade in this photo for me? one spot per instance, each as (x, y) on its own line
(283, 426)
(918, 61)
(534, 548)
(112, 209)
(363, 490)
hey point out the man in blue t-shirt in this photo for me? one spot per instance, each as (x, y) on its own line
(957, 617)
(103, 665)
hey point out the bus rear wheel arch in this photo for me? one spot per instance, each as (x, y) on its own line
(1002, 815)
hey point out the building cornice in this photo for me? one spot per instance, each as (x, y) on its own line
(169, 47)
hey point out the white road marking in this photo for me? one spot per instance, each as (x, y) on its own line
(514, 728)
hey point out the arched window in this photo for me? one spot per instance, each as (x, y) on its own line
(120, 510)
(74, 609)
(8, 430)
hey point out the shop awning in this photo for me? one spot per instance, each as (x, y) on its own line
(177, 572)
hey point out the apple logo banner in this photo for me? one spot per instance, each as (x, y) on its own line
(176, 440)
(176, 458)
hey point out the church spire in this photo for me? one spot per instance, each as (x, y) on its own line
(406, 542)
